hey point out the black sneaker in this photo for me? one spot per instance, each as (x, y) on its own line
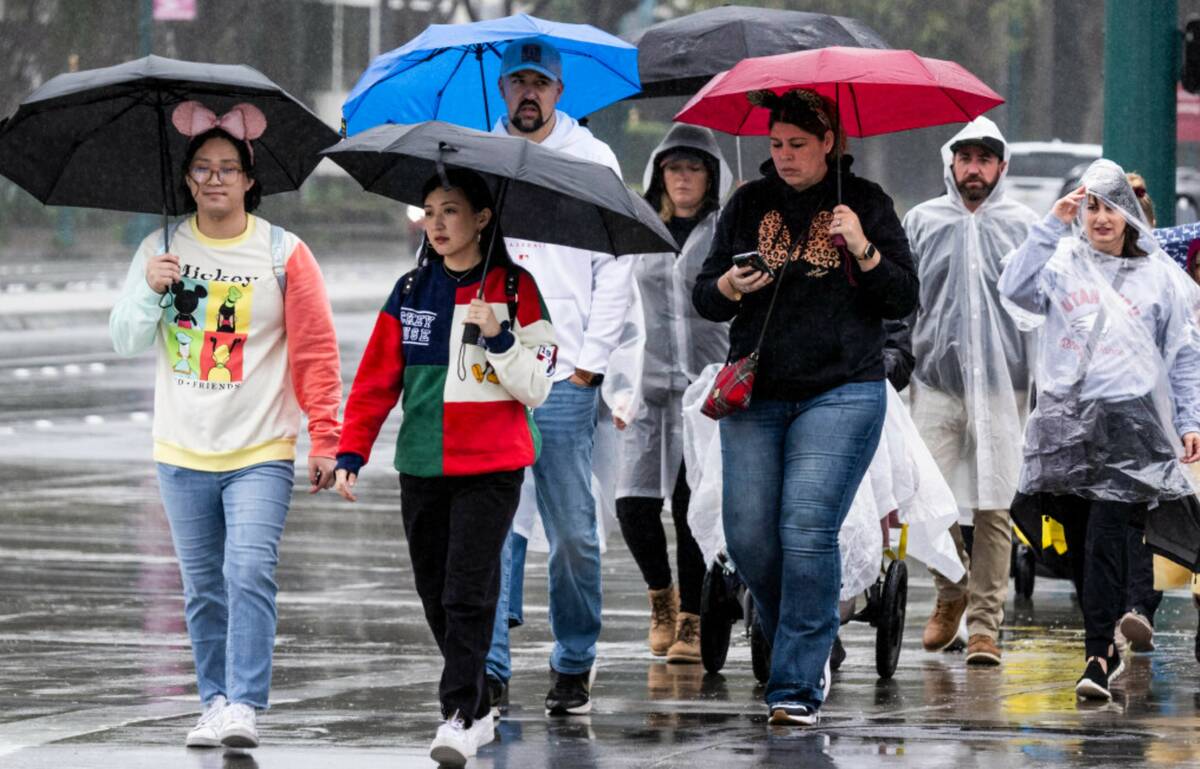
(1116, 665)
(839, 654)
(1093, 684)
(497, 695)
(571, 694)
(793, 714)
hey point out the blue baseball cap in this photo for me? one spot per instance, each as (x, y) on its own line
(532, 53)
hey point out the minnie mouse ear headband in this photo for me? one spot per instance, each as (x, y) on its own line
(244, 122)
(798, 106)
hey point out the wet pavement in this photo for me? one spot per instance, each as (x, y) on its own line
(95, 669)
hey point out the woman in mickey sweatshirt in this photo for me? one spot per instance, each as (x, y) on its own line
(239, 359)
(467, 434)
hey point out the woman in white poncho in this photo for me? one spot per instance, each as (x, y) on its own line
(1118, 378)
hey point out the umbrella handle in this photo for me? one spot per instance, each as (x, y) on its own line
(471, 333)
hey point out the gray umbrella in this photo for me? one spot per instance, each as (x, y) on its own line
(541, 194)
(677, 57)
(103, 138)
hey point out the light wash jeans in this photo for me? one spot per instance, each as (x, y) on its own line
(226, 527)
(563, 473)
(791, 470)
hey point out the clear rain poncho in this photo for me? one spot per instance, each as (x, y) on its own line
(1118, 364)
(679, 343)
(969, 387)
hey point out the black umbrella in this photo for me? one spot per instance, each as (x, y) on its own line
(677, 57)
(540, 194)
(103, 138)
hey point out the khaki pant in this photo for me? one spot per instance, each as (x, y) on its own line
(986, 583)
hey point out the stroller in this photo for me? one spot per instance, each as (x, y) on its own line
(724, 601)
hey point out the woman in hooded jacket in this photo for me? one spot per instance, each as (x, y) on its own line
(1118, 377)
(685, 180)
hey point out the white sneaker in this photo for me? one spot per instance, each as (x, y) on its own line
(454, 744)
(238, 728)
(205, 733)
(482, 731)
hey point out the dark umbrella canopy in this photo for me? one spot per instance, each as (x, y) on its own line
(103, 138)
(550, 196)
(677, 57)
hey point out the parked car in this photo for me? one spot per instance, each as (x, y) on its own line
(1036, 169)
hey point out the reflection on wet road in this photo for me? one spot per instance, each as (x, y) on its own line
(95, 670)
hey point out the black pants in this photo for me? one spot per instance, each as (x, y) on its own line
(641, 525)
(1097, 534)
(456, 528)
(1140, 595)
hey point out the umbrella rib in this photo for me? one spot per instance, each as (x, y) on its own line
(607, 66)
(84, 139)
(398, 72)
(438, 104)
(287, 171)
(857, 113)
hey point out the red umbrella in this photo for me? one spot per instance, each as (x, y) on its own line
(876, 91)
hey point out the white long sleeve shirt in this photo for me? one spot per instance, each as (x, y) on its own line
(587, 292)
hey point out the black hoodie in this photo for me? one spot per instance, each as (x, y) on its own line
(827, 327)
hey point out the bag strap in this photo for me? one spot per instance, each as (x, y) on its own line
(762, 334)
(511, 282)
(278, 257)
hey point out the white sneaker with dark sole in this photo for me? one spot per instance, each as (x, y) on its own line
(454, 744)
(238, 727)
(206, 732)
(1138, 632)
(792, 714)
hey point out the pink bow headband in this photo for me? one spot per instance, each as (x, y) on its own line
(243, 121)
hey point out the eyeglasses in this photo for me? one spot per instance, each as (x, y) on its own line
(201, 174)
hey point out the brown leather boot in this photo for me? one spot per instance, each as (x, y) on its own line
(664, 608)
(943, 625)
(687, 639)
(982, 650)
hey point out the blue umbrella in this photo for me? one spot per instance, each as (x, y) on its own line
(450, 72)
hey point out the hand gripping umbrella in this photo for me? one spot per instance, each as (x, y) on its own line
(541, 194)
(103, 138)
(451, 72)
(873, 91)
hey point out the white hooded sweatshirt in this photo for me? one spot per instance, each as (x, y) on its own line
(969, 352)
(587, 292)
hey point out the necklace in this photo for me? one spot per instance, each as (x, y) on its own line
(456, 276)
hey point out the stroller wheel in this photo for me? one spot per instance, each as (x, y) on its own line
(716, 619)
(889, 633)
(760, 651)
(1024, 571)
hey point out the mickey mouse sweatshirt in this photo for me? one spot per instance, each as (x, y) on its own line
(238, 358)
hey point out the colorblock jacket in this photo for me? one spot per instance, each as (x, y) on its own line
(466, 407)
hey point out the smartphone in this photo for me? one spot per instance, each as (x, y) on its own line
(753, 259)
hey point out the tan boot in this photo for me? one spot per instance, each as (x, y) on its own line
(664, 608)
(943, 625)
(687, 639)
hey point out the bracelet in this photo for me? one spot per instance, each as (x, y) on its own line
(868, 253)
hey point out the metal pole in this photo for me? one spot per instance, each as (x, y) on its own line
(1141, 66)
(146, 28)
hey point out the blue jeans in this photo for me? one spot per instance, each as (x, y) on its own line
(563, 473)
(226, 527)
(791, 470)
(510, 608)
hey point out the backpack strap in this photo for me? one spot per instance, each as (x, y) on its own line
(278, 257)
